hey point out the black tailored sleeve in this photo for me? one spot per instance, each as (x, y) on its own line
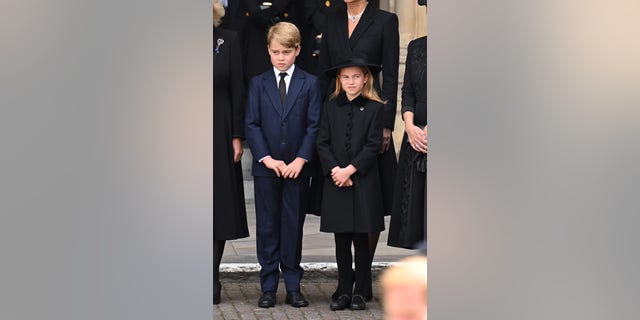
(236, 83)
(408, 89)
(309, 9)
(316, 15)
(390, 62)
(323, 143)
(368, 156)
(324, 62)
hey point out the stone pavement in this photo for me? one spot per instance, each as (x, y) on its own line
(241, 283)
(240, 294)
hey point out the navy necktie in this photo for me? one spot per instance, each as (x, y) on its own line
(283, 89)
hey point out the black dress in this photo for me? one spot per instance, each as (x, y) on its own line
(351, 133)
(229, 213)
(376, 37)
(408, 217)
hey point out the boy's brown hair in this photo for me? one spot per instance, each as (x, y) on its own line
(287, 34)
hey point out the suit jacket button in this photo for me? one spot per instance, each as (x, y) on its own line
(284, 141)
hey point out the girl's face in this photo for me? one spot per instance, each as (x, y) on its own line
(352, 80)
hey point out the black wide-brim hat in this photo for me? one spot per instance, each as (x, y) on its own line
(353, 61)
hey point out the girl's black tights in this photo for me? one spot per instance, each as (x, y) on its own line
(346, 275)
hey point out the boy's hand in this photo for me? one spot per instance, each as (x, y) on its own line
(237, 149)
(276, 165)
(342, 176)
(292, 170)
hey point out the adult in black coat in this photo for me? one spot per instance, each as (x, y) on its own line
(254, 36)
(366, 30)
(408, 223)
(229, 213)
(312, 24)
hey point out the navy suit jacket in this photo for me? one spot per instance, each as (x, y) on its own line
(283, 133)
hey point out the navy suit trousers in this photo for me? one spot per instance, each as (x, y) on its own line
(280, 213)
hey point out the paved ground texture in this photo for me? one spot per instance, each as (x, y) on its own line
(241, 283)
(241, 291)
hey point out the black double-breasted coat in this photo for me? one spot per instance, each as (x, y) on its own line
(351, 133)
(229, 213)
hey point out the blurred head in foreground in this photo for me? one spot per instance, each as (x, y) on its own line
(404, 288)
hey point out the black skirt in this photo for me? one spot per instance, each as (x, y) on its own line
(408, 218)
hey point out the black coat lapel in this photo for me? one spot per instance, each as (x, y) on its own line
(365, 21)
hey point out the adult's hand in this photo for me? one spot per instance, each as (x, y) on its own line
(386, 139)
(237, 149)
(417, 138)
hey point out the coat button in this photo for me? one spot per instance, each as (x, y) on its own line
(284, 141)
(284, 123)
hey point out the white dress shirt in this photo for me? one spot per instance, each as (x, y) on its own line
(287, 79)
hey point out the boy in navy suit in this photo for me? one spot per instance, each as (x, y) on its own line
(281, 125)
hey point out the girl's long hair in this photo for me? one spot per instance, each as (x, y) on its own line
(367, 91)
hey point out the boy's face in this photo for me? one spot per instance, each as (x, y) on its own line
(352, 80)
(282, 57)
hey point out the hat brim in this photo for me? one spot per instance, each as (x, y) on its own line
(352, 63)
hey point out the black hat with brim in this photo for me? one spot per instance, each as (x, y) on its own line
(353, 62)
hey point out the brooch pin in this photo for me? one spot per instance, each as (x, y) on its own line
(219, 42)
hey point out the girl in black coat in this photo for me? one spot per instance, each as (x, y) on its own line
(348, 145)
(363, 29)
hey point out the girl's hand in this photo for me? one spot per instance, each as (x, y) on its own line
(342, 176)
